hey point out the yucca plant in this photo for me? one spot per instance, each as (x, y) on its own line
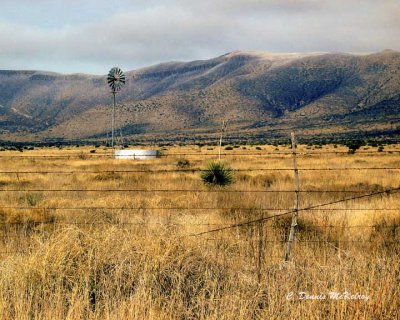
(217, 174)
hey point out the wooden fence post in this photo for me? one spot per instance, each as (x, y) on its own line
(296, 200)
(260, 247)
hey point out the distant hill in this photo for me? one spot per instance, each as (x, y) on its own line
(261, 94)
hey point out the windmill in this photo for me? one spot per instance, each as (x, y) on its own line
(116, 80)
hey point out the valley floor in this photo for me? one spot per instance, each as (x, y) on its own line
(85, 236)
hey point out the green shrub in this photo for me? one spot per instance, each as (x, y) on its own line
(217, 174)
(183, 163)
(354, 146)
(351, 151)
(32, 199)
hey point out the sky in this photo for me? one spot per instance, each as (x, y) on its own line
(91, 36)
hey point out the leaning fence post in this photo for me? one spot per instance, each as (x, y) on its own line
(260, 247)
(296, 200)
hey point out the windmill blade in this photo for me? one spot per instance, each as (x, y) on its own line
(116, 79)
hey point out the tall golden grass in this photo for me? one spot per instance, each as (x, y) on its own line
(132, 255)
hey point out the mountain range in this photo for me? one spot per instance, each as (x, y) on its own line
(260, 94)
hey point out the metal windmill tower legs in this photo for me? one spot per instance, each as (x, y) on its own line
(113, 122)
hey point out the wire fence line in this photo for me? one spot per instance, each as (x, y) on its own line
(378, 242)
(189, 208)
(309, 208)
(196, 170)
(55, 222)
(216, 227)
(233, 242)
(246, 223)
(184, 191)
(305, 241)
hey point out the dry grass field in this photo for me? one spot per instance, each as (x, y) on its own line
(84, 236)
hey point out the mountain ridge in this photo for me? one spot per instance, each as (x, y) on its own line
(254, 90)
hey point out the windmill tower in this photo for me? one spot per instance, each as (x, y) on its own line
(116, 80)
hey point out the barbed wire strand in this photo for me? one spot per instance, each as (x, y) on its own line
(289, 212)
(189, 208)
(312, 228)
(196, 170)
(181, 190)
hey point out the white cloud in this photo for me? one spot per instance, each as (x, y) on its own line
(156, 31)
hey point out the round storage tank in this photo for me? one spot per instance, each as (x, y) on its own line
(136, 154)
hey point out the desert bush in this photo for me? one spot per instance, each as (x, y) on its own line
(31, 198)
(4, 183)
(386, 228)
(354, 146)
(367, 187)
(228, 148)
(30, 217)
(217, 174)
(107, 176)
(183, 163)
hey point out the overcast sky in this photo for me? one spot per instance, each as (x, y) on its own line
(91, 36)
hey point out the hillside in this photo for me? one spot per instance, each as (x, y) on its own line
(261, 94)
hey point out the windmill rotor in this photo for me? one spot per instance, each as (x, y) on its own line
(116, 79)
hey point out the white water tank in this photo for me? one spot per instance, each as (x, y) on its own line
(136, 154)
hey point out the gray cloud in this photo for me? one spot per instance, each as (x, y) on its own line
(183, 30)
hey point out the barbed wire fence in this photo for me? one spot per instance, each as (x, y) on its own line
(214, 231)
